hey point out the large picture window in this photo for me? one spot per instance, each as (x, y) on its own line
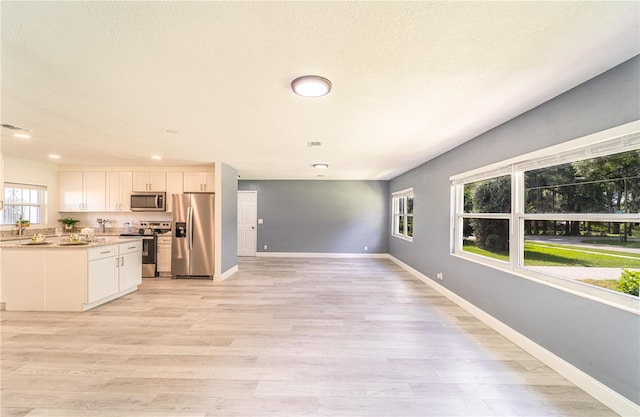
(23, 200)
(403, 214)
(569, 214)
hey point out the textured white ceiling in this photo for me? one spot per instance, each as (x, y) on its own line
(101, 82)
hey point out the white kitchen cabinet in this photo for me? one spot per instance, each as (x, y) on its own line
(119, 187)
(102, 272)
(164, 255)
(77, 278)
(114, 269)
(130, 265)
(174, 186)
(149, 181)
(82, 191)
(199, 182)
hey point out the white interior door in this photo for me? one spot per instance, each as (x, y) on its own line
(247, 223)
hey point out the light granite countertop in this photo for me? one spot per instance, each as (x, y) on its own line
(64, 242)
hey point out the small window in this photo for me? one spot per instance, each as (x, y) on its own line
(403, 214)
(24, 200)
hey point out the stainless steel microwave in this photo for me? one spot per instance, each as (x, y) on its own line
(151, 201)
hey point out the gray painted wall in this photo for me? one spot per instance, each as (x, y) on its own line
(600, 340)
(322, 216)
(229, 197)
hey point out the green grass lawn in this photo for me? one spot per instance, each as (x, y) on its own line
(635, 244)
(548, 254)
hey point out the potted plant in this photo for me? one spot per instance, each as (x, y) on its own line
(69, 222)
(23, 223)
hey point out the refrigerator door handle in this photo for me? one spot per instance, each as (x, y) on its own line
(189, 228)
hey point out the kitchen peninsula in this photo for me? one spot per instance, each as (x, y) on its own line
(69, 276)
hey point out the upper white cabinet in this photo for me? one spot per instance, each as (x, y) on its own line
(119, 186)
(149, 181)
(174, 186)
(82, 191)
(199, 182)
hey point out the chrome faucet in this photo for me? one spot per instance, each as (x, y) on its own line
(20, 226)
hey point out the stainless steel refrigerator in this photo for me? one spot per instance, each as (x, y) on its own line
(193, 242)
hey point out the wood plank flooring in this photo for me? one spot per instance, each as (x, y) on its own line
(282, 337)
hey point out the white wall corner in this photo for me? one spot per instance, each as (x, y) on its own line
(226, 274)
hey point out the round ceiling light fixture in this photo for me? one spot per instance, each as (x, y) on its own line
(321, 166)
(311, 86)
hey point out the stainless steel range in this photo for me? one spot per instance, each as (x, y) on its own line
(148, 232)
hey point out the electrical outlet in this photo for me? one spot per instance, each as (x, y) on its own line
(439, 276)
(366, 248)
(265, 247)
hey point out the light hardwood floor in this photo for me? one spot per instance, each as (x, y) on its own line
(282, 337)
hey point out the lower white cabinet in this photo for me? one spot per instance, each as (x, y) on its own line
(130, 265)
(113, 269)
(102, 272)
(164, 255)
(52, 278)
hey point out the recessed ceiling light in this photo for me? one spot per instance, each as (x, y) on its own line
(311, 86)
(156, 157)
(320, 166)
(54, 156)
(22, 135)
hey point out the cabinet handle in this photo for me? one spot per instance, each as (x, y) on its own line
(105, 252)
(131, 247)
(117, 263)
(122, 261)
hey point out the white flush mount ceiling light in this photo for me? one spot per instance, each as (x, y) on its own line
(311, 86)
(156, 157)
(54, 156)
(320, 166)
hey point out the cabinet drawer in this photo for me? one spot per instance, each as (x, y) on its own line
(102, 252)
(130, 247)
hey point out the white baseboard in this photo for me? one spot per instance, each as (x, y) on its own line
(320, 255)
(226, 274)
(593, 387)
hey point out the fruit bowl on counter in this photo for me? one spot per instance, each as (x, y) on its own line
(38, 238)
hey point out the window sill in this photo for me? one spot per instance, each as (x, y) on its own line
(609, 297)
(408, 239)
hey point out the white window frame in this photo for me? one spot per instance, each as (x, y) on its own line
(42, 205)
(396, 197)
(615, 140)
